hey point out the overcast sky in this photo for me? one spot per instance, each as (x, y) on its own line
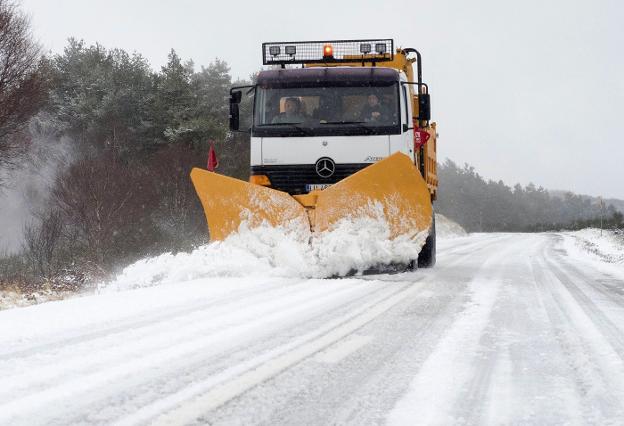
(526, 91)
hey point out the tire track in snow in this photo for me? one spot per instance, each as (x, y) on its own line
(195, 341)
(614, 336)
(468, 247)
(368, 383)
(79, 357)
(594, 392)
(185, 372)
(147, 320)
(474, 399)
(435, 393)
(563, 349)
(215, 393)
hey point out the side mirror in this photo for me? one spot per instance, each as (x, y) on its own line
(234, 117)
(424, 107)
(235, 98)
(424, 101)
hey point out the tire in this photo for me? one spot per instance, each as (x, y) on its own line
(427, 256)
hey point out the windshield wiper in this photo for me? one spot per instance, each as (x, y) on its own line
(293, 125)
(360, 125)
(342, 122)
(281, 124)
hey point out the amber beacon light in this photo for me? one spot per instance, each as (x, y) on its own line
(328, 51)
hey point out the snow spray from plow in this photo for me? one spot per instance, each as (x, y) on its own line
(266, 251)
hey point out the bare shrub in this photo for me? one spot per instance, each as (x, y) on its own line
(42, 244)
(178, 213)
(13, 272)
(107, 211)
(105, 204)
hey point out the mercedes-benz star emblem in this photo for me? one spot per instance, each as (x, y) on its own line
(325, 167)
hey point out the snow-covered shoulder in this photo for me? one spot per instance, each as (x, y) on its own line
(604, 250)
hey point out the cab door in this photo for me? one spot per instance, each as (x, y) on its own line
(405, 141)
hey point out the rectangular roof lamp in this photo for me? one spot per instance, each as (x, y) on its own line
(310, 52)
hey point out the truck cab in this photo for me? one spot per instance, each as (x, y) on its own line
(318, 119)
(346, 118)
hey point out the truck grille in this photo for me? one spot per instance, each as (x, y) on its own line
(294, 178)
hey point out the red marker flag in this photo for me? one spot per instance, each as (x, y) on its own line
(213, 162)
(420, 138)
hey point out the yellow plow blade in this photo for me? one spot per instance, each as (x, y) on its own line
(393, 187)
(227, 202)
(392, 190)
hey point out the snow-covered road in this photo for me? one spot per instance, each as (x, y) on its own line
(507, 328)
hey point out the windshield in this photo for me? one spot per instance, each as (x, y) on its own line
(326, 110)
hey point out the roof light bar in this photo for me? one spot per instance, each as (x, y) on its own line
(310, 52)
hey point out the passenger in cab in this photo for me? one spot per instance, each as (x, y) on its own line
(292, 113)
(373, 111)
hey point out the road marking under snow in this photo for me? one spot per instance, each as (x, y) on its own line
(217, 396)
(340, 351)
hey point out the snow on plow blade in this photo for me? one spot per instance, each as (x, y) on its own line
(228, 201)
(392, 190)
(393, 185)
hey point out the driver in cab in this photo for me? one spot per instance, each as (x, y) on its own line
(292, 113)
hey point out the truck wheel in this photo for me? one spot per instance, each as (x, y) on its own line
(427, 256)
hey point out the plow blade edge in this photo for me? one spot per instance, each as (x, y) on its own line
(391, 189)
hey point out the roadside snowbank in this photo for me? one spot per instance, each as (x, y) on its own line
(604, 251)
(13, 299)
(608, 247)
(446, 228)
(279, 252)
(16, 299)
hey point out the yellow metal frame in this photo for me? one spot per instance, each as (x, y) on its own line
(402, 63)
(391, 189)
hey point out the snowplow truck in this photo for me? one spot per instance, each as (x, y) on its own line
(340, 129)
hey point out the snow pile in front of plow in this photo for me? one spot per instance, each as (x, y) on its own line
(353, 245)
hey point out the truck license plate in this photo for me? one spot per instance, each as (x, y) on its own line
(317, 186)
